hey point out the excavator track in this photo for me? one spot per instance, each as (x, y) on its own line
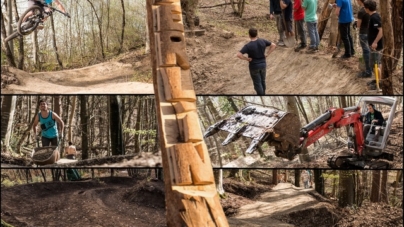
(351, 162)
(339, 162)
(377, 165)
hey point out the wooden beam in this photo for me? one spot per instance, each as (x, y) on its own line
(191, 197)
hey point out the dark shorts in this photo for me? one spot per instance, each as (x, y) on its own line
(49, 142)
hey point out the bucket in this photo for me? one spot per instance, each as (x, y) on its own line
(46, 155)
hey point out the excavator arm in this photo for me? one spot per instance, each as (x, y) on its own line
(281, 129)
(335, 118)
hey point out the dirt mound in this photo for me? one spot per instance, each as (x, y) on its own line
(149, 194)
(129, 73)
(250, 191)
(314, 216)
(98, 202)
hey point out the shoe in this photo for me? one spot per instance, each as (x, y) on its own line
(372, 87)
(40, 26)
(364, 75)
(312, 50)
(345, 56)
(371, 82)
(300, 47)
(280, 43)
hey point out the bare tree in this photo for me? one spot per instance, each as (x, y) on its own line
(388, 51)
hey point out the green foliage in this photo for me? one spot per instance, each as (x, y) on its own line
(330, 176)
(5, 224)
(144, 78)
(7, 183)
(130, 131)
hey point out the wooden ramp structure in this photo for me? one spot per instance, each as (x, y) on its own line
(191, 197)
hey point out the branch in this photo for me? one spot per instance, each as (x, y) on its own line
(223, 4)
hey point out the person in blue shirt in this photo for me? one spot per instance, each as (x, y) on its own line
(345, 17)
(50, 132)
(257, 59)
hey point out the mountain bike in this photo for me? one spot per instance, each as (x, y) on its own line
(37, 15)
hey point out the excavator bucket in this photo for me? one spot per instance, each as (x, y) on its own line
(277, 128)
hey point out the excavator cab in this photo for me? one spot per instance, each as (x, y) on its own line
(376, 135)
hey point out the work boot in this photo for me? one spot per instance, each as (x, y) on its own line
(364, 75)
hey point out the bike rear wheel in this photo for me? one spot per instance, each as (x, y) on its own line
(29, 25)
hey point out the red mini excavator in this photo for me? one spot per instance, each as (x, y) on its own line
(278, 129)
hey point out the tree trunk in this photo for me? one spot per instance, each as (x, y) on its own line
(375, 194)
(84, 127)
(324, 16)
(35, 49)
(10, 22)
(71, 116)
(116, 125)
(275, 176)
(7, 47)
(319, 181)
(99, 29)
(27, 131)
(190, 191)
(21, 55)
(7, 119)
(123, 28)
(137, 126)
(347, 188)
(334, 39)
(397, 12)
(297, 177)
(384, 189)
(55, 47)
(388, 50)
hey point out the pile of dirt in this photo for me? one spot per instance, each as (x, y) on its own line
(149, 194)
(314, 216)
(7, 77)
(239, 194)
(97, 202)
(251, 190)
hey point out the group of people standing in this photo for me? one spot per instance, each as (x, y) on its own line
(305, 12)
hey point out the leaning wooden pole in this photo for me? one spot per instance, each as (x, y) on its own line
(191, 197)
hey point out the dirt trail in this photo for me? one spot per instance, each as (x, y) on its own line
(283, 199)
(217, 70)
(111, 77)
(103, 202)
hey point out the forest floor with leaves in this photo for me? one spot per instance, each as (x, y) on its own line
(123, 201)
(215, 68)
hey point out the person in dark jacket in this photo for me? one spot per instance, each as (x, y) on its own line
(373, 117)
(257, 59)
(275, 10)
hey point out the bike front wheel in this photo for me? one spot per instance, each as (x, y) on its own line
(33, 16)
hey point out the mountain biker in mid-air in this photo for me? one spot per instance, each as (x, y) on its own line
(31, 3)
